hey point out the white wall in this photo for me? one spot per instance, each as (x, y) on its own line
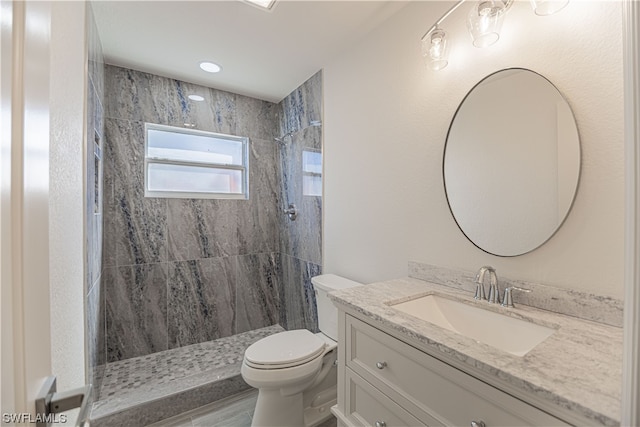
(42, 262)
(25, 198)
(386, 119)
(7, 390)
(66, 192)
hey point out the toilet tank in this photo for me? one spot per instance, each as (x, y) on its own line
(327, 312)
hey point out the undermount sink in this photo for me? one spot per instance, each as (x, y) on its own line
(506, 333)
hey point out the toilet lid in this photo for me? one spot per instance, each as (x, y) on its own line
(285, 349)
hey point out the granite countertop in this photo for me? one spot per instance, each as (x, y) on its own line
(578, 368)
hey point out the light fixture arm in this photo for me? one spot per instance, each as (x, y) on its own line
(507, 5)
(484, 21)
(439, 21)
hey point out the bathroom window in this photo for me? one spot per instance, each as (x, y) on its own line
(311, 173)
(187, 163)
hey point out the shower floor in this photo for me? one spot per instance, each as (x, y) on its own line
(147, 389)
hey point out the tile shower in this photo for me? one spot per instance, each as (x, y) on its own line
(172, 273)
(185, 271)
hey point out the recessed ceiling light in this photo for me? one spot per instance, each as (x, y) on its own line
(210, 67)
(262, 4)
(196, 98)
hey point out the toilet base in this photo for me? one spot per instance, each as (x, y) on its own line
(316, 415)
(305, 409)
(275, 410)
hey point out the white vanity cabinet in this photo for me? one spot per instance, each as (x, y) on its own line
(385, 382)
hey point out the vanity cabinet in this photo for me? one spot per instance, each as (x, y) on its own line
(385, 382)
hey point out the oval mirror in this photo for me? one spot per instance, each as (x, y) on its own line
(511, 162)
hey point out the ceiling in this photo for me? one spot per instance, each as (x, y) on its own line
(263, 54)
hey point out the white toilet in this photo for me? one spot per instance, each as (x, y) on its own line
(294, 371)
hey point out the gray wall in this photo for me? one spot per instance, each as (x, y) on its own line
(183, 271)
(300, 240)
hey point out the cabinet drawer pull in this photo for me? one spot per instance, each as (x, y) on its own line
(381, 424)
(381, 365)
(477, 424)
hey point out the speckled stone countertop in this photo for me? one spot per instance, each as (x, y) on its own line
(578, 368)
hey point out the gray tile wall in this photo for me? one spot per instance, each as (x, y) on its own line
(300, 240)
(184, 271)
(95, 317)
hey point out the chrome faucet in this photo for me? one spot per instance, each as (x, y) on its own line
(494, 294)
(479, 284)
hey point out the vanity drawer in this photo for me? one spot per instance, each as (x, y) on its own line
(368, 407)
(429, 388)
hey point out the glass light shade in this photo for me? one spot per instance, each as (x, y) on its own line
(485, 21)
(265, 4)
(548, 7)
(435, 49)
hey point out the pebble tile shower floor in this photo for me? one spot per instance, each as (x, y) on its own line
(147, 389)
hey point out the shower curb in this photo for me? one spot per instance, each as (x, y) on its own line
(173, 404)
(152, 388)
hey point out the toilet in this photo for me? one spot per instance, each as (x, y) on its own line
(295, 371)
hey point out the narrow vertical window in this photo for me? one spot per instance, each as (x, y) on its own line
(311, 173)
(187, 163)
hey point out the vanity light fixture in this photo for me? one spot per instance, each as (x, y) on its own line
(262, 4)
(434, 49)
(196, 98)
(484, 22)
(210, 67)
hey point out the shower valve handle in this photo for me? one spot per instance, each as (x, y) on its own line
(292, 212)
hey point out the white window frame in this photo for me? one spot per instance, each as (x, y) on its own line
(244, 168)
(308, 173)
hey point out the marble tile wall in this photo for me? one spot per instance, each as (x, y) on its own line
(94, 291)
(300, 240)
(184, 271)
(296, 295)
(302, 107)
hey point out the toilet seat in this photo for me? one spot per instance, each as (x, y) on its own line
(284, 350)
